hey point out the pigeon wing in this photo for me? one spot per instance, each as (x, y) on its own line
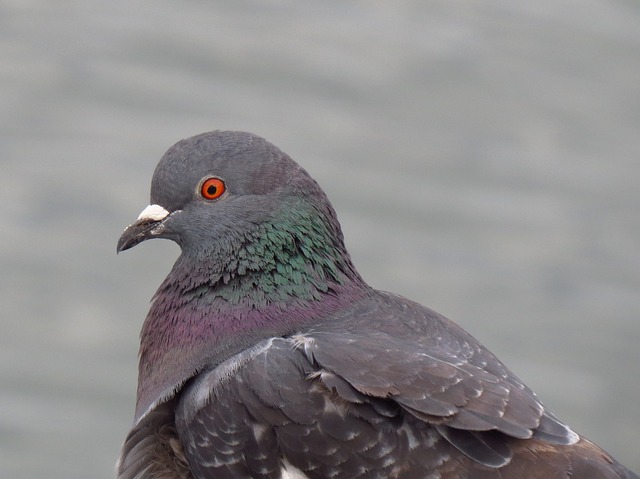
(340, 405)
(392, 348)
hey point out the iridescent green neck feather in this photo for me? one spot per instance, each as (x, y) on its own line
(297, 256)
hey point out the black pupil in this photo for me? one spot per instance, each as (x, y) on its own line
(211, 190)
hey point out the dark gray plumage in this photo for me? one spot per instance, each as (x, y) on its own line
(265, 354)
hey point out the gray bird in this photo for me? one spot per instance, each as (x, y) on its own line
(266, 355)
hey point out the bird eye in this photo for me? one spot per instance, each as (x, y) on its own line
(212, 188)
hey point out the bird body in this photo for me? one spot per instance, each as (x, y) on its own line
(266, 355)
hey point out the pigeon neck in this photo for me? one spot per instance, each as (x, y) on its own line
(286, 275)
(297, 256)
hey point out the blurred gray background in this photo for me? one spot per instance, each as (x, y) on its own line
(482, 157)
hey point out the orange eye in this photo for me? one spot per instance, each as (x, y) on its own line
(212, 188)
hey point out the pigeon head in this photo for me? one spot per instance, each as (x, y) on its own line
(220, 184)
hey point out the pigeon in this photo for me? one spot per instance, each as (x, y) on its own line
(266, 355)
